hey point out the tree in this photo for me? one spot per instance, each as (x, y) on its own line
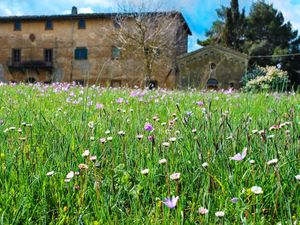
(145, 33)
(228, 29)
(267, 34)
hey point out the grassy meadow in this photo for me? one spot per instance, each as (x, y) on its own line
(75, 155)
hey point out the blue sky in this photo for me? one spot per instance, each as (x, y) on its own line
(199, 13)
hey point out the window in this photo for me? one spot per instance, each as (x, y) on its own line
(115, 52)
(30, 80)
(153, 84)
(48, 55)
(48, 25)
(212, 66)
(16, 55)
(81, 24)
(81, 54)
(115, 83)
(17, 25)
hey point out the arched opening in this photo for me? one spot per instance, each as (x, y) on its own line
(212, 84)
(30, 80)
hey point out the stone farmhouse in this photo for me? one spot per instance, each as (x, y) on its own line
(81, 48)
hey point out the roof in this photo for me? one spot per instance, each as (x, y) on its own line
(214, 47)
(91, 16)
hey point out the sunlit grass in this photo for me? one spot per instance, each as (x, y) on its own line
(130, 169)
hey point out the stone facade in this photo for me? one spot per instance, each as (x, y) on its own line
(211, 67)
(43, 49)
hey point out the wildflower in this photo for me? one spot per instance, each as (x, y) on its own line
(252, 161)
(140, 136)
(70, 175)
(122, 133)
(120, 100)
(274, 127)
(150, 138)
(175, 176)
(189, 113)
(102, 140)
(166, 144)
(67, 180)
(91, 124)
(77, 173)
(92, 138)
(239, 156)
(82, 166)
(145, 171)
(194, 130)
(272, 162)
(173, 139)
(49, 174)
(202, 211)
(204, 165)
(155, 118)
(220, 214)
(109, 138)
(107, 132)
(99, 106)
(297, 177)
(257, 190)
(148, 127)
(86, 153)
(171, 202)
(164, 124)
(200, 103)
(93, 158)
(162, 161)
(234, 200)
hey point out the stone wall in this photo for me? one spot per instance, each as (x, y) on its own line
(214, 64)
(63, 39)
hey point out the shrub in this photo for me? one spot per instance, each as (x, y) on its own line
(267, 78)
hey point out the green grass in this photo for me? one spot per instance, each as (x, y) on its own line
(54, 132)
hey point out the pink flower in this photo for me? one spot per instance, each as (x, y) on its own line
(202, 211)
(99, 106)
(171, 203)
(239, 156)
(148, 127)
(175, 176)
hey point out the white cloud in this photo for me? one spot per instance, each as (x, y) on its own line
(290, 10)
(85, 10)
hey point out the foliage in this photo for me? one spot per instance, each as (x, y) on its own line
(228, 29)
(48, 177)
(263, 32)
(269, 78)
(253, 73)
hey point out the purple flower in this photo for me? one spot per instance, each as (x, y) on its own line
(189, 113)
(171, 203)
(150, 138)
(200, 103)
(234, 200)
(148, 127)
(239, 156)
(120, 100)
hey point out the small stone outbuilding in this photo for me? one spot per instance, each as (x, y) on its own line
(211, 67)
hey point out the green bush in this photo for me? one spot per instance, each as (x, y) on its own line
(267, 78)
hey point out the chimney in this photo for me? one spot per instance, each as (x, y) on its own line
(74, 10)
